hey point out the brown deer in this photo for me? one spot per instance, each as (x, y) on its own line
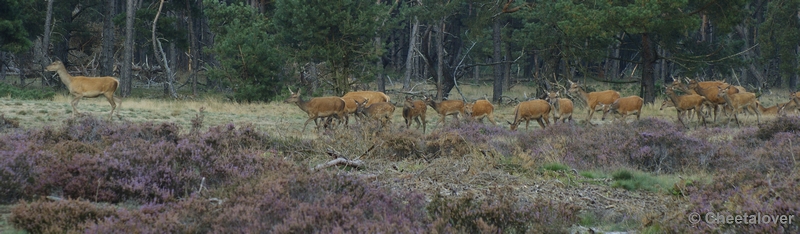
(528, 110)
(561, 106)
(685, 103)
(415, 110)
(90, 87)
(594, 99)
(381, 111)
(350, 106)
(446, 107)
(372, 96)
(317, 108)
(739, 101)
(623, 107)
(709, 90)
(479, 110)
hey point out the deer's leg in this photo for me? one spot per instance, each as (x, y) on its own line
(491, 119)
(309, 120)
(75, 103)
(541, 123)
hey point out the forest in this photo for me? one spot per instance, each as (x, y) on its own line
(253, 49)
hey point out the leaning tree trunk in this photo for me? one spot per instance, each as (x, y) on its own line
(497, 87)
(107, 53)
(648, 78)
(125, 74)
(158, 50)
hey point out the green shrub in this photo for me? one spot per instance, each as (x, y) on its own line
(26, 94)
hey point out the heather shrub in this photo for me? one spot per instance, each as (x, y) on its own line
(781, 124)
(403, 145)
(503, 212)
(6, 124)
(446, 144)
(65, 216)
(289, 199)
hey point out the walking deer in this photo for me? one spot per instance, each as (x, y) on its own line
(446, 107)
(415, 110)
(528, 110)
(561, 106)
(623, 107)
(317, 108)
(594, 99)
(90, 87)
(480, 109)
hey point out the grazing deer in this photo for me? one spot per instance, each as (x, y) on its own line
(561, 106)
(528, 110)
(479, 110)
(623, 107)
(685, 103)
(381, 111)
(317, 108)
(91, 87)
(739, 101)
(416, 110)
(446, 107)
(594, 99)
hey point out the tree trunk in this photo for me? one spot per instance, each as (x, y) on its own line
(648, 78)
(107, 53)
(158, 51)
(193, 55)
(507, 67)
(440, 61)
(497, 87)
(126, 78)
(409, 57)
(48, 25)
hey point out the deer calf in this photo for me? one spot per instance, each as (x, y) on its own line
(381, 111)
(479, 110)
(528, 110)
(561, 106)
(625, 106)
(686, 103)
(415, 110)
(446, 107)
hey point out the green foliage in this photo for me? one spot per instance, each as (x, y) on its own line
(7, 90)
(250, 62)
(13, 36)
(636, 180)
(778, 35)
(340, 33)
(555, 167)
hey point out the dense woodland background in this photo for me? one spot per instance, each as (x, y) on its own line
(253, 49)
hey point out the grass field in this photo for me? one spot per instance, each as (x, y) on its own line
(600, 179)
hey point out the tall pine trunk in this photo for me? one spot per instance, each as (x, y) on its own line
(126, 77)
(409, 57)
(648, 61)
(107, 53)
(497, 87)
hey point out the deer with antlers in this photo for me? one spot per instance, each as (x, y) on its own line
(317, 108)
(91, 87)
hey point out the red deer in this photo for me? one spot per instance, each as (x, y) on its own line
(320, 107)
(739, 101)
(350, 106)
(480, 109)
(528, 110)
(685, 103)
(709, 90)
(90, 87)
(381, 111)
(446, 107)
(561, 106)
(416, 110)
(623, 107)
(594, 99)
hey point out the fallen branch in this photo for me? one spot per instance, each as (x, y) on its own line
(340, 161)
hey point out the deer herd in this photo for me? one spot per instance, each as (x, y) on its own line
(700, 99)
(691, 98)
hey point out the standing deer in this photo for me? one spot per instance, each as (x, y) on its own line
(739, 101)
(528, 110)
(623, 107)
(416, 110)
(91, 87)
(709, 90)
(594, 99)
(317, 108)
(372, 96)
(685, 103)
(561, 106)
(480, 109)
(446, 107)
